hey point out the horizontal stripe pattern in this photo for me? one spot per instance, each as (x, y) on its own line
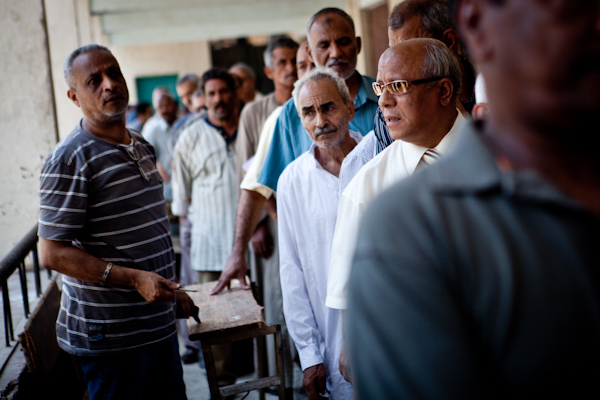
(93, 194)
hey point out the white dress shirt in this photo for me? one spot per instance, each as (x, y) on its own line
(397, 161)
(307, 199)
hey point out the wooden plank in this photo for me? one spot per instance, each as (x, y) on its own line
(249, 386)
(232, 310)
(38, 339)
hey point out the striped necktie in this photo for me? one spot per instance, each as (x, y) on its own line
(430, 156)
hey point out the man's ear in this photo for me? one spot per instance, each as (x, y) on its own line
(268, 72)
(72, 94)
(475, 34)
(446, 91)
(450, 39)
(351, 110)
(358, 44)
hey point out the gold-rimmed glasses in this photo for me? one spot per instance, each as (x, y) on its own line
(400, 86)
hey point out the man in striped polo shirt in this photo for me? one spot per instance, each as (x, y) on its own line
(103, 224)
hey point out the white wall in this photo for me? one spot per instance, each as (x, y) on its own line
(70, 26)
(27, 121)
(161, 59)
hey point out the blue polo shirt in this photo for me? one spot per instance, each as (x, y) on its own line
(290, 139)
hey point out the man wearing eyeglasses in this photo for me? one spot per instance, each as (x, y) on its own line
(103, 225)
(479, 277)
(417, 84)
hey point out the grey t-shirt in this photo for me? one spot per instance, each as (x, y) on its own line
(108, 200)
(473, 283)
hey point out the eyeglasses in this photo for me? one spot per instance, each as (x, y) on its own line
(133, 153)
(400, 86)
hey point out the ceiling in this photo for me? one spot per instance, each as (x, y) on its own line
(134, 22)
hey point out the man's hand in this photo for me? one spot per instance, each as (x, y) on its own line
(153, 287)
(262, 240)
(235, 269)
(313, 381)
(344, 364)
(249, 210)
(184, 305)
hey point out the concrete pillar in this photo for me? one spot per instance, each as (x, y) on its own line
(28, 128)
(69, 27)
(371, 26)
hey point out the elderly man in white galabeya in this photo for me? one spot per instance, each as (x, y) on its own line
(307, 207)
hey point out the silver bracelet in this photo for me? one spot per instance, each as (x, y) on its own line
(106, 272)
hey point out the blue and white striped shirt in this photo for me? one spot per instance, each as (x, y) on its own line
(95, 195)
(290, 139)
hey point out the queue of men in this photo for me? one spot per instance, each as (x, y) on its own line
(412, 238)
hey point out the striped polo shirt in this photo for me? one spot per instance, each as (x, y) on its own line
(107, 200)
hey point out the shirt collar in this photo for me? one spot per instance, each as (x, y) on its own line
(413, 153)
(470, 168)
(228, 139)
(365, 92)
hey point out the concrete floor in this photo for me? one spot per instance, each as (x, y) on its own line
(193, 374)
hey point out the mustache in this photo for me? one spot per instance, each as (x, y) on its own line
(337, 61)
(291, 75)
(327, 129)
(222, 104)
(114, 96)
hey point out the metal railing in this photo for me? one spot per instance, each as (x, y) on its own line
(13, 261)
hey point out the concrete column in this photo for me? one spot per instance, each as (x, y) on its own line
(373, 31)
(28, 129)
(68, 29)
(353, 9)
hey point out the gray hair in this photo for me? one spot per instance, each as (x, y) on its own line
(68, 66)
(191, 78)
(241, 66)
(434, 15)
(316, 75)
(440, 61)
(276, 44)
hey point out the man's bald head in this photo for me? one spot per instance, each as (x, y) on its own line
(416, 80)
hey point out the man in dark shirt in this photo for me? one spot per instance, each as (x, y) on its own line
(478, 277)
(103, 224)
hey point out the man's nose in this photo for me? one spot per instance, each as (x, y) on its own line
(335, 51)
(108, 83)
(290, 68)
(321, 120)
(386, 99)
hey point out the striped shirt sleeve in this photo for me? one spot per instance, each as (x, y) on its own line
(63, 201)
